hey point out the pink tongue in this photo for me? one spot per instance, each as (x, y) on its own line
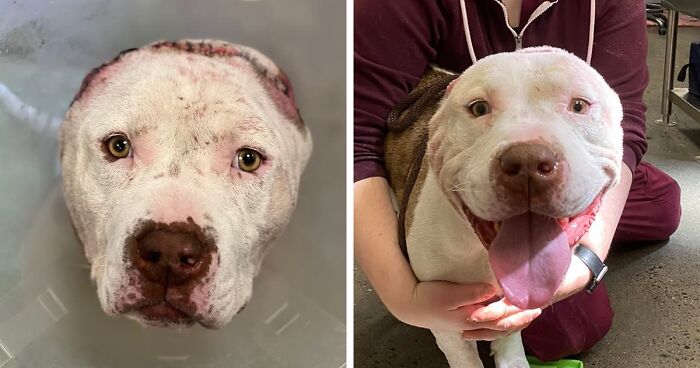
(529, 257)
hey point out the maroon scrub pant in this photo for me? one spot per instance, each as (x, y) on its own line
(575, 324)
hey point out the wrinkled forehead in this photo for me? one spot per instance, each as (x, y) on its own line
(543, 72)
(208, 85)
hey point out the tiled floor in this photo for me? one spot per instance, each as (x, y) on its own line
(653, 288)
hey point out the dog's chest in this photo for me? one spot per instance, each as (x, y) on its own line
(441, 246)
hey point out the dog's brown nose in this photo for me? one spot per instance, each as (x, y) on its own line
(170, 257)
(524, 165)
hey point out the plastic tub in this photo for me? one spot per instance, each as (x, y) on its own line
(49, 312)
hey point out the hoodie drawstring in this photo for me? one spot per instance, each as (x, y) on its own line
(467, 34)
(470, 46)
(591, 32)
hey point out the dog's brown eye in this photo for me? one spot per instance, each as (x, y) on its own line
(479, 108)
(579, 106)
(249, 160)
(118, 146)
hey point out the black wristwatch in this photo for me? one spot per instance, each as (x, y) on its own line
(591, 260)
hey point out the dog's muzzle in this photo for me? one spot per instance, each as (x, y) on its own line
(169, 262)
(528, 175)
(170, 257)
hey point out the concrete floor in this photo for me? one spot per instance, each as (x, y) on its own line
(654, 288)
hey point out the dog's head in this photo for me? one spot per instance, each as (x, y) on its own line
(525, 145)
(181, 164)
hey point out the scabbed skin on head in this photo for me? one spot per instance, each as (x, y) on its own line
(529, 230)
(187, 108)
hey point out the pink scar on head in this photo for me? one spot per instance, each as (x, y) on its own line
(276, 82)
(98, 73)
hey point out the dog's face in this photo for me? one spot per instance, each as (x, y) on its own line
(181, 163)
(525, 144)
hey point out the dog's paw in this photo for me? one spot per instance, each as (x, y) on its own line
(512, 363)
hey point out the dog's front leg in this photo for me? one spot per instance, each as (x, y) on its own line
(459, 352)
(509, 352)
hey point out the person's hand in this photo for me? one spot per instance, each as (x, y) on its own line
(497, 320)
(500, 319)
(577, 277)
(443, 305)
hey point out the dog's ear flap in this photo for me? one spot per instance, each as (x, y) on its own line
(280, 90)
(449, 87)
(275, 82)
(282, 93)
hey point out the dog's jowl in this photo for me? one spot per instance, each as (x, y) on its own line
(181, 164)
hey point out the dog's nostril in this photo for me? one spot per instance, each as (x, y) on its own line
(151, 256)
(545, 167)
(510, 165)
(511, 168)
(521, 161)
(169, 257)
(188, 260)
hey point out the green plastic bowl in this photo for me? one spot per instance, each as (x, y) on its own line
(564, 363)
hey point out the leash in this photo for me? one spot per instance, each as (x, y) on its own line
(403, 116)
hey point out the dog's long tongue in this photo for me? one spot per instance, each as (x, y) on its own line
(530, 256)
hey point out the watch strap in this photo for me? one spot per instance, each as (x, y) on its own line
(594, 263)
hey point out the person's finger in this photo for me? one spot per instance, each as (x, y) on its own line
(471, 294)
(484, 335)
(460, 316)
(462, 313)
(494, 311)
(518, 321)
(450, 296)
(514, 322)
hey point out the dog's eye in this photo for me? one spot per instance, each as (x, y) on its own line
(479, 108)
(248, 159)
(118, 146)
(579, 106)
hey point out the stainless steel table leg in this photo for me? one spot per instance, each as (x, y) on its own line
(669, 63)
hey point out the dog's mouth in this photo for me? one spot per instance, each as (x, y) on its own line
(530, 253)
(162, 312)
(165, 314)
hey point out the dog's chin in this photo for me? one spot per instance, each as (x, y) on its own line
(161, 315)
(165, 315)
(575, 225)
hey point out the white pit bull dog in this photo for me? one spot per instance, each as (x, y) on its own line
(181, 163)
(518, 156)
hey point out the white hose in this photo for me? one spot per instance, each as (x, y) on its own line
(38, 121)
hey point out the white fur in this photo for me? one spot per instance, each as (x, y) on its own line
(145, 96)
(529, 92)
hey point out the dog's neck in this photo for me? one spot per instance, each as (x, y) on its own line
(447, 246)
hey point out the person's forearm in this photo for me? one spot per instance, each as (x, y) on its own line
(599, 235)
(376, 244)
